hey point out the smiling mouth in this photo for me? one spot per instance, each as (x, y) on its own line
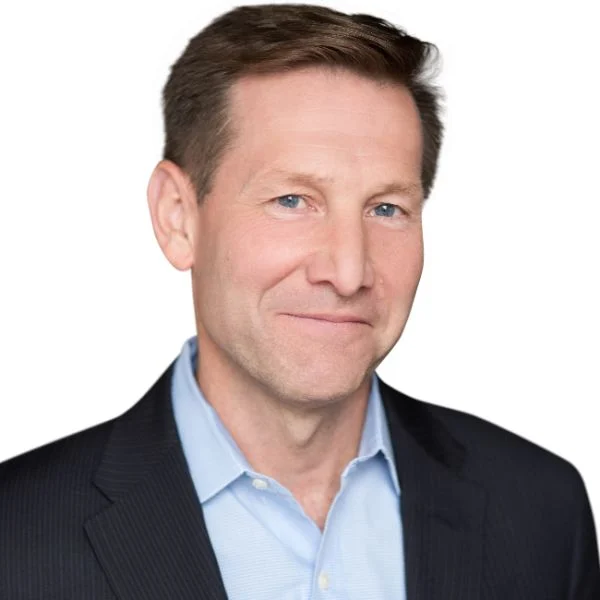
(321, 325)
(332, 318)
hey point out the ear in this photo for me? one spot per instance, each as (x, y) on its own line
(173, 210)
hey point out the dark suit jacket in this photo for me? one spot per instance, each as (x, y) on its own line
(111, 512)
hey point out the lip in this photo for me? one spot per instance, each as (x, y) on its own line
(332, 318)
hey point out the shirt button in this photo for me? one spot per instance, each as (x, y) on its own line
(260, 484)
(323, 580)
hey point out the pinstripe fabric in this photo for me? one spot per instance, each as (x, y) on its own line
(111, 513)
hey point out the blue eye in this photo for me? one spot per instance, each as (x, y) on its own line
(387, 213)
(287, 197)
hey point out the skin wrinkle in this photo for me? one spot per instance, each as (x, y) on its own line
(292, 397)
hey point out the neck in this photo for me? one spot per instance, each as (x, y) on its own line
(304, 448)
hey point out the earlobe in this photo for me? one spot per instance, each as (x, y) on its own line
(172, 211)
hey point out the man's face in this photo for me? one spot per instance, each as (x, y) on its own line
(315, 209)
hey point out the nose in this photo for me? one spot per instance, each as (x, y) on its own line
(342, 256)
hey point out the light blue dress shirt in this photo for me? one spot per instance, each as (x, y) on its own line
(266, 546)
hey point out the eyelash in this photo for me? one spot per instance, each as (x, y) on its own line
(400, 209)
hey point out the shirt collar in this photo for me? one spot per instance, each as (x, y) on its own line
(213, 456)
(376, 433)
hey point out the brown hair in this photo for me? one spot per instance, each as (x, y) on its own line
(272, 38)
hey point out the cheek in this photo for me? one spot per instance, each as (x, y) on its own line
(398, 265)
(411, 268)
(401, 249)
(411, 263)
(256, 257)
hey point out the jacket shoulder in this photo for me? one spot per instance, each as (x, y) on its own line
(538, 508)
(69, 459)
(509, 463)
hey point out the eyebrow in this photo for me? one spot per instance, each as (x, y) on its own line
(413, 189)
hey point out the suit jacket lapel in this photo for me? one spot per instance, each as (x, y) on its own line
(442, 513)
(152, 541)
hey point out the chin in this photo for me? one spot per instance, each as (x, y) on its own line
(320, 389)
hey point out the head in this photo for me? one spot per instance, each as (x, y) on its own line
(301, 144)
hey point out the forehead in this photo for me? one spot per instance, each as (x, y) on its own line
(322, 102)
(335, 125)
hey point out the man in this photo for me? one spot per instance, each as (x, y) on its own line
(269, 460)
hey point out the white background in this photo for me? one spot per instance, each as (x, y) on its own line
(505, 324)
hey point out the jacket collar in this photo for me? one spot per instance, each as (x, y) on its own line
(152, 542)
